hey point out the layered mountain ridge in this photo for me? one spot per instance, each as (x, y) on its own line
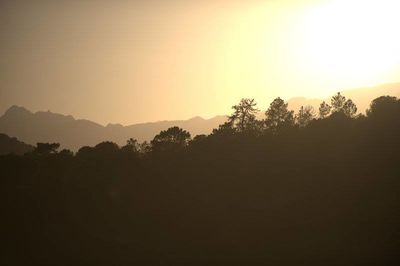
(74, 133)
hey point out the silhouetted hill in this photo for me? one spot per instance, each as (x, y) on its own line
(362, 97)
(322, 193)
(74, 133)
(10, 145)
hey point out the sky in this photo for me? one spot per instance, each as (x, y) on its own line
(138, 61)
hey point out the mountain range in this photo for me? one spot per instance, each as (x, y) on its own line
(74, 133)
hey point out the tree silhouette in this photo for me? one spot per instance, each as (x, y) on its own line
(324, 110)
(224, 129)
(84, 152)
(244, 114)
(305, 115)
(340, 104)
(46, 148)
(10, 145)
(198, 139)
(349, 108)
(132, 145)
(337, 102)
(66, 153)
(171, 139)
(278, 115)
(384, 106)
(106, 147)
(144, 147)
(384, 113)
(255, 127)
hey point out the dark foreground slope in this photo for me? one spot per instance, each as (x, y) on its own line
(327, 194)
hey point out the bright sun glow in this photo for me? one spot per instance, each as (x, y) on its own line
(352, 42)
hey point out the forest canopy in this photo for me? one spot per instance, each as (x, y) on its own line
(317, 187)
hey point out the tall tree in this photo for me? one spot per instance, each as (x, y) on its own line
(278, 115)
(337, 102)
(244, 114)
(340, 104)
(305, 115)
(324, 110)
(349, 108)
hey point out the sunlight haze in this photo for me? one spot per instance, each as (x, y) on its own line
(138, 61)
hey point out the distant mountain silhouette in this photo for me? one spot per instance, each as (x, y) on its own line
(362, 97)
(74, 133)
(10, 145)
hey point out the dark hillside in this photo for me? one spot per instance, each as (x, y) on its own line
(10, 145)
(323, 194)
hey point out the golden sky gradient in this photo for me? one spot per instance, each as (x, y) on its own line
(137, 61)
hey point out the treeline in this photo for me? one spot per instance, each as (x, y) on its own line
(314, 188)
(242, 121)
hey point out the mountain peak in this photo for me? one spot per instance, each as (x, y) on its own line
(17, 110)
(196, 118)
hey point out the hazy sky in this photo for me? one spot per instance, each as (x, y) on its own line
(136, 61)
